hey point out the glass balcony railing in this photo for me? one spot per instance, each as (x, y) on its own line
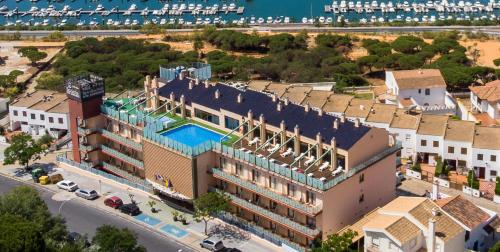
(122, 140)
(267, 193)
(122, 173)
(112, 152)
(283, 220)
(259, 231)
(151, 134)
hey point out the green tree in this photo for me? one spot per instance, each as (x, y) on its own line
(368, 61)
(208, 205)
(337, 243)
(14, 74)
(495, 248)
(50, 81)
(112, 239)
(18, 234)
(197, 43)
(23, 149)
(496, 62)
(408, 44)
(32, 53)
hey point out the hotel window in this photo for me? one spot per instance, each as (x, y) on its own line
(15, 112)
(423, 142)
(451, 149)
(479, 156)
(274, 183)
(463, 151)
(206, 116)
(222, 162)
(310, 197)
(290, 190)
(493, 158)
(239, 169)
(231, 123)
(291, 235)
(255, 176)
(435, 143)
(427, 91)
(291, 213)
(273, 226)
(33, 116)
(361, 178)
(24, 113)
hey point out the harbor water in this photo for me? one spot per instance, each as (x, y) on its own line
(190, 12)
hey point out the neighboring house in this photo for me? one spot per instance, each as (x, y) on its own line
(408, 224)
(39, 113)
(457, 151)
(471, 218)
(404, 126)
(486, 99)
(485, 152)
(430, 137)
(423, 88)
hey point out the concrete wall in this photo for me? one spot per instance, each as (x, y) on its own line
(377, 140)
(436, 96)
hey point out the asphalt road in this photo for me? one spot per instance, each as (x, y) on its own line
(492, 30)
(85, 219)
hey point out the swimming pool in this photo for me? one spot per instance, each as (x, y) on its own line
(192, 135)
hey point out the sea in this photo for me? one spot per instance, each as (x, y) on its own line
(269, 11)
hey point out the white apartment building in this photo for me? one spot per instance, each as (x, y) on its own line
(424, 89)
(486, 99)
(40, 113)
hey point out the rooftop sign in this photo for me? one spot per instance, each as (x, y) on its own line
(84, 87)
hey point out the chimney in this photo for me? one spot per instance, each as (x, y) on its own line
(286, 101)
(342, 118)
(320, 112)
(336, 123)
(217, 94)
(431, 236)
(155, 83)
(183, 106)
(274, 97)
(278, 106)
(207, 84)
(239, 98)
(307, 107)
(435, 191)
(356, 122)
(250, 125)
(333, 155)
(191, 84)
(262, 129)
(296, 140)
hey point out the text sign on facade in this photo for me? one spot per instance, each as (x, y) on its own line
(83, 88)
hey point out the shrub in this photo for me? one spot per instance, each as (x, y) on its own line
(416, 167)
(472, 180)
(497, 186)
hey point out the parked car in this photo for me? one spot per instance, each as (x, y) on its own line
(113, 202)
(67, 185)
(130, 209)
(212, 243)
(87, 194)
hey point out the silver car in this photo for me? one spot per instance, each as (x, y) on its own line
(87, 194)
(212, 244)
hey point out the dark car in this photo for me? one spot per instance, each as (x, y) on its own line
(130, 209)
(113, 202)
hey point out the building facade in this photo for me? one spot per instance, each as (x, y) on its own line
(294, 175)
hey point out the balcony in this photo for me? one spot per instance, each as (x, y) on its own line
(114, 153)
(259, 231)
(283, 220)
(123, 173)
(87, 131)
(122, 140)
(88, 147)
(310, 210)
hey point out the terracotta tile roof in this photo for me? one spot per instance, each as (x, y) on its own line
(487, 138)
(494, 225)
(258, 85)
(359, 108)
(433, 125)
(337, 103)
(277, 88)
(403, 230)
(381, 113)
(44, 100)
(461, 131)
(423, 78)
(317, 98)
(463, 210)
(403, 119)
(296, 94)
(358, 225)
(446, 228)
(490, 91)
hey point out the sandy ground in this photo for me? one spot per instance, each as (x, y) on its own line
(16, 62)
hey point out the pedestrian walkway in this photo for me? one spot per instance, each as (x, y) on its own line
(161, 220)
(419, 187)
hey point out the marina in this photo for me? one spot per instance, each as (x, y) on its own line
(249, 12)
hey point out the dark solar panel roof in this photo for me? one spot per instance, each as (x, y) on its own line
(310, 123)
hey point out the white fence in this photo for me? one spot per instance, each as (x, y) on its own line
(413, 174)
(471, 191)
(442, 182)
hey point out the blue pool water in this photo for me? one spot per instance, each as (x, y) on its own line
(174, 231)
(147, 219)
(192, 135)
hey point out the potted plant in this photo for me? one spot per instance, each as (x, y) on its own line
(175, 215)
(183, 219)
(152, 204)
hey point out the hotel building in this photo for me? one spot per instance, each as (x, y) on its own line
(294, 174)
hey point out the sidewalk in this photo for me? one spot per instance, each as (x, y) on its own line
(162, 221)
(418, 187)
